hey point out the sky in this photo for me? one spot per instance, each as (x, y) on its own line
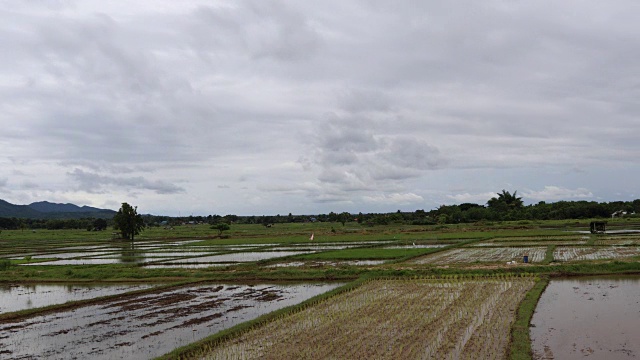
(306, 107)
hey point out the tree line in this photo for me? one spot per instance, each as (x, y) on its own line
(505, 206)
(91, 224)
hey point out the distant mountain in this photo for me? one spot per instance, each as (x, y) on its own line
(18, 211)
(47, 210)
(45, 206)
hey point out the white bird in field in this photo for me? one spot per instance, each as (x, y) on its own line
(311, 238)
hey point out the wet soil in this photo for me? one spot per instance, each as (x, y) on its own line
(144, 326)
(16, 297)
(588, 318)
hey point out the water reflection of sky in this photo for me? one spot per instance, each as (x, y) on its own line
(15, 297)
(328, 263)
(184, 252)
(149, 325)
(240, 257)
(596, 317)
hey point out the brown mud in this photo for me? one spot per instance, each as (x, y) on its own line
(144, 324)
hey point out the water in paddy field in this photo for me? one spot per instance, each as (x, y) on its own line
(147, 325)
(418, 246)
(588, 318)
(328, 263)
(239, 257)
(14, 297)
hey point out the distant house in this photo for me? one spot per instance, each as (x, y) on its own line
(598, 227)
(619, 213)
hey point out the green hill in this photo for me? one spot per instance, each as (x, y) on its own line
(47, 210)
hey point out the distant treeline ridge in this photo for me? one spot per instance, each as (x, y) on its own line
(497, 210)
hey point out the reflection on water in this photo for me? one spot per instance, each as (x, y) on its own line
(240, 257)
(146, 326)
(15, 297)
(129, 254)
(317, 263)
(594, 318)
(418, 246)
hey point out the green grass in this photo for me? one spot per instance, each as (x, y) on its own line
(548, 257)
(520, 346)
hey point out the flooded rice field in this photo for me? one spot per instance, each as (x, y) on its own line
(14, 297)
(588, 318)
(471, 255)
(82, 262)
(171, 253)
(317, 263)
(577, 253)
(312, 247)
(161, 254)
(239, 257)
(186, 266)
(529, 243)
(416, 246)
(68, 255)
(146, 326)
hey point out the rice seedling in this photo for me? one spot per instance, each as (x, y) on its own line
(565, 253)
(498, 254)
(454, 318)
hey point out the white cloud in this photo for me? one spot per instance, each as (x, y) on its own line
(96, 183)
(555, 193)
(481, 198)
(395, 199)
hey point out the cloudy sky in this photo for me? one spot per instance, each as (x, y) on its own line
(272, 107)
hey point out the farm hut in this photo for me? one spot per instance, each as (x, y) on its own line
(619, 213)
(598, 227)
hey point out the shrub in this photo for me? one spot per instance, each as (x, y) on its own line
(4, 264)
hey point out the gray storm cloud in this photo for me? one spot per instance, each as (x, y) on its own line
(207, 104)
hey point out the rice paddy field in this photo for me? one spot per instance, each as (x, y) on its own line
(491, 255)
(392, 319)
(396, 291)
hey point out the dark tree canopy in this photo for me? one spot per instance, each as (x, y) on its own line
(128, 221)
(100, 224)
(505, 201)
(221, 227)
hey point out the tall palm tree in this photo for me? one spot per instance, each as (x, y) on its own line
(506, 200)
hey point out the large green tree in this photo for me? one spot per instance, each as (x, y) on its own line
(128, 221)
(505, 201)
(221, 227)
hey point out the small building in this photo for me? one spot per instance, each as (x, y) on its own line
(598, 227)
(619, 213)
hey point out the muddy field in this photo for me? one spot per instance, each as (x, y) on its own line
(588, 318)
(16, 297)
(145, 326)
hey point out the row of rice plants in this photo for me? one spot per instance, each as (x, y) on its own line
(497, 254)
(541, 238)
(565, 253)
(618, 240)
(530, 243)
(392, 319)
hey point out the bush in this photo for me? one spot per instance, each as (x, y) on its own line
(5, 264)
